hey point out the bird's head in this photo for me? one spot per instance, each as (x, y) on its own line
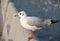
(21, 14)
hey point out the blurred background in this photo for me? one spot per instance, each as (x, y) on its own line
(43, 9)
(46, 9)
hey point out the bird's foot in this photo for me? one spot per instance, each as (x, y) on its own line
(32, 35)
(29, 38)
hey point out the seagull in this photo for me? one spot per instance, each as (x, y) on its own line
(33, 23)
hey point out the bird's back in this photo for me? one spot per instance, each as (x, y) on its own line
(33, 21)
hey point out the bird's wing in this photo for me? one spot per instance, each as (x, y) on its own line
(34, 21)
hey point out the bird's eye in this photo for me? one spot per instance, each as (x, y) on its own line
(20, 13)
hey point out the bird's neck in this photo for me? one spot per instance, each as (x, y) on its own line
(23, 17)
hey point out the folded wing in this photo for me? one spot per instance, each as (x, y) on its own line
(34, 21)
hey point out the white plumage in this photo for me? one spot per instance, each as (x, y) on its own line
(33, 23)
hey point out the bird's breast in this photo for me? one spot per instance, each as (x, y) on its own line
(23, 22)
(25, 25)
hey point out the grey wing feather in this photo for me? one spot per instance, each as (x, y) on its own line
(34, 21)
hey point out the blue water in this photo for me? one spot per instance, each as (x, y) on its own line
(45, 10)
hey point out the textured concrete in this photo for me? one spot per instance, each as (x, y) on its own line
(12, 29)
(1, 24)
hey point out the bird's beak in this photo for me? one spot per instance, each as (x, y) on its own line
(16, 15)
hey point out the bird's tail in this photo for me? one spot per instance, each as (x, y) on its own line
(50, 21)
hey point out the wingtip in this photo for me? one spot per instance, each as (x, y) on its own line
(54, 21)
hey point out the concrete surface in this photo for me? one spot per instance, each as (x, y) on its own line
(1, 24)
(12, 29)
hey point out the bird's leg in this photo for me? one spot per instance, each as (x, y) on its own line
(32, 35)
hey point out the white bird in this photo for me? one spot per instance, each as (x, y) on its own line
(33, 23)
